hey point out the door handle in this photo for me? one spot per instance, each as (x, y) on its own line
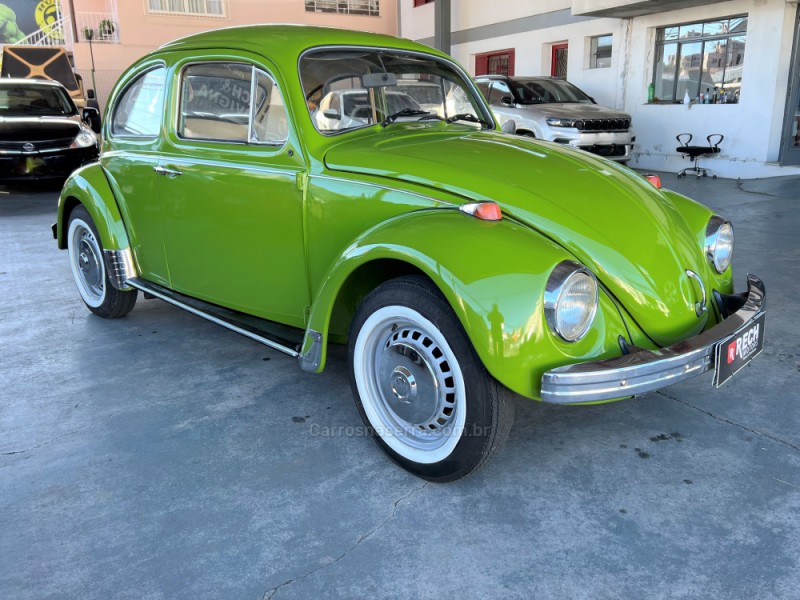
(171, 173)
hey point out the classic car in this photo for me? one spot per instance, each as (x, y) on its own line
(549, 108)
(42, 135)
(460, 264)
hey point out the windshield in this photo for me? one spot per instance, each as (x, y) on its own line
(349, 89)
(22, 100)
(540, 91)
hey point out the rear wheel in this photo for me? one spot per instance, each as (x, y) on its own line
(419, 386)
(89, 269)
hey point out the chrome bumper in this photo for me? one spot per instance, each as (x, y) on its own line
(647, 370)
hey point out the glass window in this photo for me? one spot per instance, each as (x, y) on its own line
(345, 7)
(198, 8)
(22, 99)
(357, 88)
(231, 102)
(600, 49)
(270, 123)
(704, 59)
(139, 110)
(215, 102)
(499, 89)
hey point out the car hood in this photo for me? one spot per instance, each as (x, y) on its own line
(617, 224)
(574, 110)
(35, 129)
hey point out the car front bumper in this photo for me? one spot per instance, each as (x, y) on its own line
(647, 370)
(49, 164)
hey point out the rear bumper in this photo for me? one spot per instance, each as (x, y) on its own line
(647, 370)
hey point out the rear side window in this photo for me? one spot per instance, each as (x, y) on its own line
(138, 111)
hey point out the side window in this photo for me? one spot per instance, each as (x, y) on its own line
(499, 89)
(270, 123)
(215, 102)
(139, 110)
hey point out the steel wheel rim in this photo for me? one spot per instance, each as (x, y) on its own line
(86, 260)
(410, 384)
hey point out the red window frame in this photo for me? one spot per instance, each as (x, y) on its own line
(421, 2)
(554, 59)
(499, 62)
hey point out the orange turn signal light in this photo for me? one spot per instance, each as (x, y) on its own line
(654, 179)
(485, 211)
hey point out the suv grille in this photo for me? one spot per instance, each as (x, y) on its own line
(603, 124)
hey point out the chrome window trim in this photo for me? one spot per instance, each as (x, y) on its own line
(115, 104)
(247, 142)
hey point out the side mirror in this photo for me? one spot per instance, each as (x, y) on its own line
(509, 126)
(90, 94)
(332, 114)
(507, 100)
(91, 116)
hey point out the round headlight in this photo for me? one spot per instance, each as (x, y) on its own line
(719, 243)
(570, 300)
(84, 139)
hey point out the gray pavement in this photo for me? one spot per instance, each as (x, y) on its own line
(162, 457)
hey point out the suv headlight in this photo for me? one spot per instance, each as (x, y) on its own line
(719, 243)
(570, 300)
(555, 122)
(84, 139)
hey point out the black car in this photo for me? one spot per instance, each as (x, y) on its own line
(42, 134)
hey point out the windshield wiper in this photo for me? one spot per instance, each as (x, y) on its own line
(467, 117)
(406, 112)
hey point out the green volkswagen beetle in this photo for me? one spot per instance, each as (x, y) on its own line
(306, 186)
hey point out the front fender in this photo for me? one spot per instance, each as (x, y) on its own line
(88, 186)
(493, 275)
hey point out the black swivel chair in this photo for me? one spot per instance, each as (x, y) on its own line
(695, 152)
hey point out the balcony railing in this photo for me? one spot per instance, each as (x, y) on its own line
(101, 27)
(58, 33)
(345, 7)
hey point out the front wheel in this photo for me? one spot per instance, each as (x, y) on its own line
(419, 386)
(89, 269)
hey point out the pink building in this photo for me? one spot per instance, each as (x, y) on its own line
(124, 30)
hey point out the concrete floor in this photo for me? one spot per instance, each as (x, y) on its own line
(162, 457)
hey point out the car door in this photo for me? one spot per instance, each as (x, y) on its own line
(130, 153)
(232, 206)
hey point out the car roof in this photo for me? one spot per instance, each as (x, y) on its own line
(288, 41)
(15, 81)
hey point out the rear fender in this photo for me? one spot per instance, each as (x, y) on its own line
(88, 186)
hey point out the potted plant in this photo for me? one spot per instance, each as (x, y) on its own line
(106, 29)
(88, 34)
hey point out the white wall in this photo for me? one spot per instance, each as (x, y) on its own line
(533, 55)
(752, 128)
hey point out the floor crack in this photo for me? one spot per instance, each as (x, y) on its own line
(729, 422)
(58, 437)
(271, 592)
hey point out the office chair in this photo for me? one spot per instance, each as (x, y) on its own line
(695, 152)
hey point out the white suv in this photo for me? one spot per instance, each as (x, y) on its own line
(555, 110)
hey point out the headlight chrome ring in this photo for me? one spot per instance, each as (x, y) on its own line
(570, 300)
(719, 243)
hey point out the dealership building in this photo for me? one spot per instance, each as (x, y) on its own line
(645, 57)
(736, 62)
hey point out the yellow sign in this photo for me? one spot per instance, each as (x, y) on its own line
(48, 14)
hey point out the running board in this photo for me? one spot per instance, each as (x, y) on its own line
(280, 337)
